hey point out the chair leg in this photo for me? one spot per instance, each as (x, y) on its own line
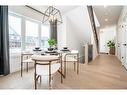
(27, 66)
(49, 81)
(77, 67)
(21, 68)
(61, 78)
(35, 81)
(64, 69)
(74, 66)
(78, 64)
(61, 73)
(40, 79)
(50, 75)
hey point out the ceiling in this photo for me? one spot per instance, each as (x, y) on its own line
(107, 15)
(63, 9)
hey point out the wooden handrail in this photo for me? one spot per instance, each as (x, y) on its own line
(91, 15)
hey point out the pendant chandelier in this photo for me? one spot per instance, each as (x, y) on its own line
(52, 15)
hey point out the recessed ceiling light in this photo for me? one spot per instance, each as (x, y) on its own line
(105, 6)
(106, 19)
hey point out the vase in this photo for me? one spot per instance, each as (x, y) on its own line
(50, 49)
(112, 51)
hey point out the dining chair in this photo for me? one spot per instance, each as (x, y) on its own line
(46, 65)
(72, 56)
(25, 59)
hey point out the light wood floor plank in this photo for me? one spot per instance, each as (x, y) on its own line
(105, 72)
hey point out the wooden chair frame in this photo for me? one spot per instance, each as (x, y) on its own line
(65, 62)
(22, 57)
(47, 62)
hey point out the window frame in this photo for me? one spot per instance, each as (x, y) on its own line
(23, 29)
(44, 36)
(37, 30)
(14, 15)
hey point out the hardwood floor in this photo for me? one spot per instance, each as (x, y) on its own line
(106, 72)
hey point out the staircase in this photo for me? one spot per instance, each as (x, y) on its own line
(91, 16)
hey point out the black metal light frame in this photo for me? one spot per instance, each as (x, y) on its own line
(51, 11)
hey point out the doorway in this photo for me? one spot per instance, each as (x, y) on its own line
(102, 43)
(106, 34)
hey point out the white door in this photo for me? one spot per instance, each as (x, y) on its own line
(102, 43)
(124, 46)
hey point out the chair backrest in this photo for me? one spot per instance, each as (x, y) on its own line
(74, 51)
(45, 58)
(25, 56)
(44, 64)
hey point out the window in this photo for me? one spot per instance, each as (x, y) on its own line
(14, 34)
(44, 36)
(32, 36)
(25, 34)
(35, 34)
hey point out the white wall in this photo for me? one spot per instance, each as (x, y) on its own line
(106, 34)
(78, 29)
(61, 33)
(122, 37)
